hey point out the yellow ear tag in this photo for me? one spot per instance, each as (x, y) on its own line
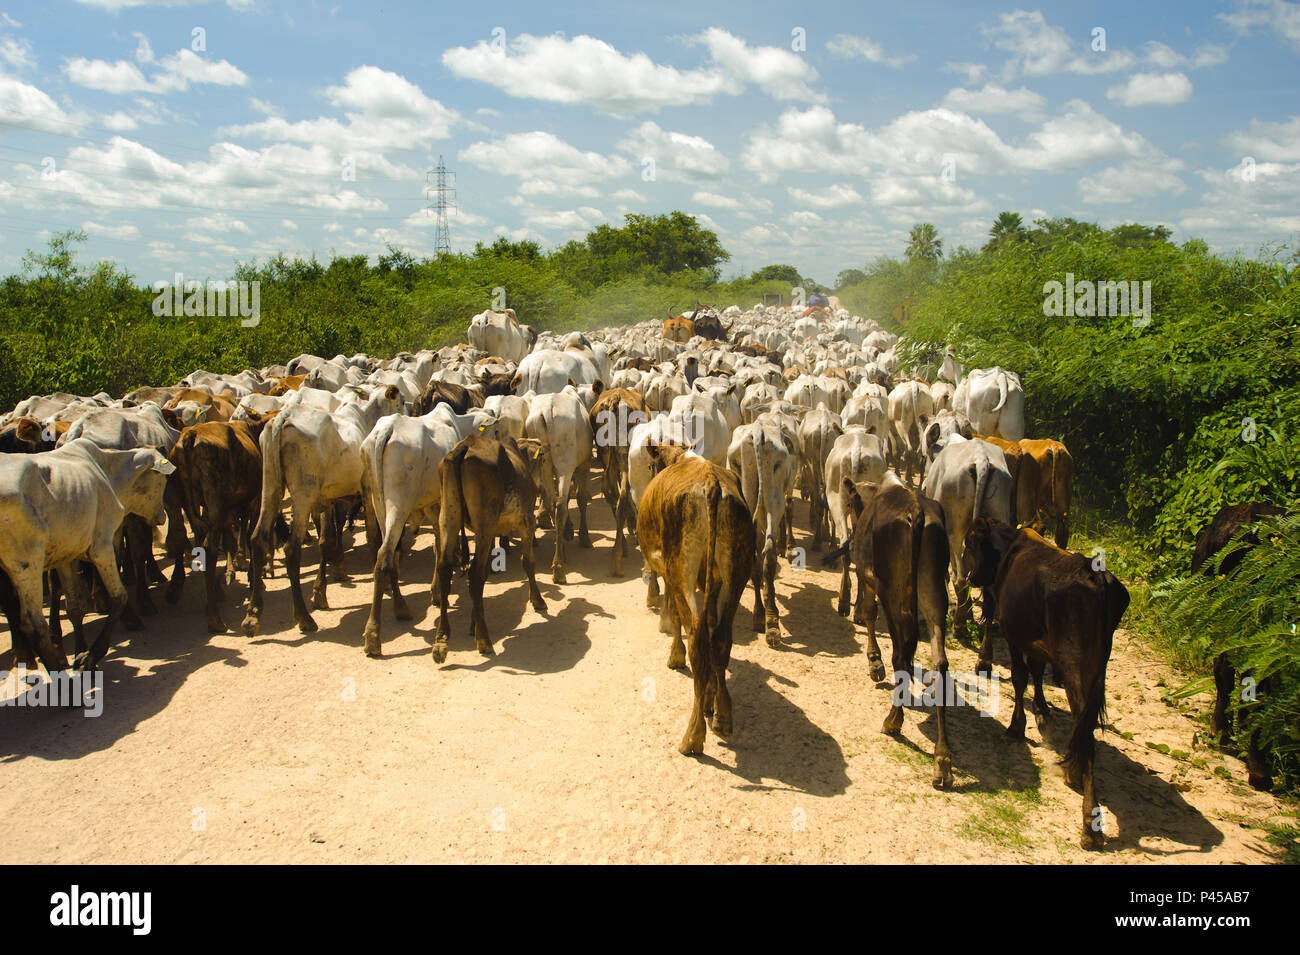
(1019, 526)
(482, 427)
(537, 453)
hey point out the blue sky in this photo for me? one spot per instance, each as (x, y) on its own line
(183, 136)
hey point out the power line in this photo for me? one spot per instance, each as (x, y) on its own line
(444, 198)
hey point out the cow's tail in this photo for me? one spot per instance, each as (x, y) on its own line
(372, 477)
(757, 439)
(1002, 391)
(271, 442)
(1094, 705)
(982, 469)
(711, 608)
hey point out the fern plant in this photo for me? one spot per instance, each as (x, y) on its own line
(1250, 614)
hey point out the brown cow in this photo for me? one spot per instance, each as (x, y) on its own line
(616, 412)
(694, 528)
(899, 550)
(25, 435)
(489, 486)
(678, 328)
(1053, 607)
(1055, 470)
(219, 471)
(1212, 539)
(220, 407)
(460, 398)
(285, 384)
(1023, 467)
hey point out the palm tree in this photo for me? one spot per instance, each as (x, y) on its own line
(923, 242)
(1006, 227)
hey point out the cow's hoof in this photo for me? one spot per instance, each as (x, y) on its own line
(774, 638)
(440, 653)
(842, 609)
(1092, 841)
(539, 605)
(249, 626)
(216, 625)
(893, 722)
(691, 747)
(942, 774)
(484, 647)
(1016, 732)
(558, 577)
(373, 648)
(984, 667)
(402, 612)
(307, 625)
(319, 601)
(722, 729)
(877, 671)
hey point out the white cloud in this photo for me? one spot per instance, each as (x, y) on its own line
(779, 72)
(676, 155)
(27, 107)
(143, 51)
(1259, 199)
(1039, 49)
(589, 71)
(217, 222)
(717, 201)
(386, 112)
(176, 73)
(119, 122)
(864, 48)
(1133, 181)
(924, 142)
(1022, 102)
(541, 157)
(17, 53)
(1271, 16)
(1152, 89)
(1166, 58)
(831, 198)
(1278, 141)
(111, 231)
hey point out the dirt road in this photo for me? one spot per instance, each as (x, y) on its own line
(296, 748)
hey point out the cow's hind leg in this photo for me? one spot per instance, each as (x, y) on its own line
(1019, 680)
(526, 556)
(293, 563)
(105, 563)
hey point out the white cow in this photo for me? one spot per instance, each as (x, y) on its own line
(316, 458)
(562, 423)
(910, 410)
(500, 334)
(767, 462)
(61, 506)
(994, 401)
(970, 480)
(400, 486)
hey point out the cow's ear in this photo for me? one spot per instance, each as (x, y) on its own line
(597, 387)
(852, 498)
(28, 431)
(173, 419)
(393, 393)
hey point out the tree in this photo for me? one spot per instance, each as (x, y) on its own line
(1007, 227)
(923, 242)
(778, 273)
(850, 277)
(1131, 234)
(59, 263)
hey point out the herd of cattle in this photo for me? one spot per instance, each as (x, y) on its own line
(702, 428)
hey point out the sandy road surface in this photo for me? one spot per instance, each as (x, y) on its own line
(296, 748)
